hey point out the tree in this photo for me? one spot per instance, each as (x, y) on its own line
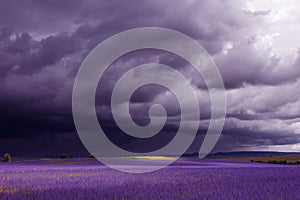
(92, 156)
(7, 157)
(64, 156)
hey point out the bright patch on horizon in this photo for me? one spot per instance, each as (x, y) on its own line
(150, 157)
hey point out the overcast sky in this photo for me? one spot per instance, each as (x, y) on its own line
(254, 44)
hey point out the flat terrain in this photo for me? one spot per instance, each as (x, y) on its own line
(288, 159)
(187, 178)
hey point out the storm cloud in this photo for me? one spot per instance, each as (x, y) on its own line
(42, 44)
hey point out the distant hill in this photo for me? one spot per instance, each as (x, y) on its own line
(237, 154)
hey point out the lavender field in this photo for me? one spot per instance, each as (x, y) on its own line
(185, 179)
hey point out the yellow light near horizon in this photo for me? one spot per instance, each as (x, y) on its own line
(150, 157)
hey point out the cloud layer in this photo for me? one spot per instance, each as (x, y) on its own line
(42, 44)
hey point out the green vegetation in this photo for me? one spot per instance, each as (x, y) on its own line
(92, 156)
(7, 157)
(64, 156)
(282, 162)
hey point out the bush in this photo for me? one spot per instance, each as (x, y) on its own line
(7, 157)
(91, 156)
(64, 156)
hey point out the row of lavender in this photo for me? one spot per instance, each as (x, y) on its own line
(216, 180)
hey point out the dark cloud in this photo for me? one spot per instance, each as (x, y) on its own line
(42, 44)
